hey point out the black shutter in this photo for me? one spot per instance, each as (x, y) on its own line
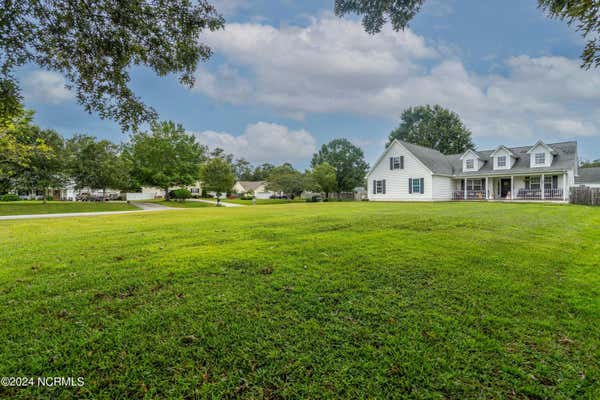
(527, 183)
(391, 162)
(383, 186)
(401, 162)
(422, 185)
(483, 184)
(374, 187)
(462, 184)
(555, 182)
(409, 185)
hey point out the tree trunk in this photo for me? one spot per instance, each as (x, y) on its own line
(45, 195)
(103, 195)
(218, 200)
(167, 194)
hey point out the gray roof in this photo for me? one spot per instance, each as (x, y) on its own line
(588, 175)
(438, 163)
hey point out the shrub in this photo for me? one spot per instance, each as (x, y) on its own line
(246, 197)
(9, 197)
(182, 194)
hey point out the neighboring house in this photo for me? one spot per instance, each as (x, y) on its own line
(409, 172)
(588, 177)
(256, 188)
(150, 193)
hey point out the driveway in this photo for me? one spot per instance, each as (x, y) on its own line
(215, 203)
(143, 207)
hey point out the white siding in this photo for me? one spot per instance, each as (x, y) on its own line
(442, 188)
(548, 157)
(509, 159)
(396, 181)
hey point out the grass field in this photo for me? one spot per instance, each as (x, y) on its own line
(58, 207)
(263, 202)
(186, 204)
(338, 300)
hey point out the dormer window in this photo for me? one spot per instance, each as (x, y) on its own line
(470, 164)
(540, 158)
(501, 161)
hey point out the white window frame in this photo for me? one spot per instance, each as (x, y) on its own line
(395, 162)
(470, 163)
(418, 189)
(541, 159)
(535, 180)
(501, 161)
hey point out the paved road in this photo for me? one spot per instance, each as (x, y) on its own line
(215, 203)
(143, 207)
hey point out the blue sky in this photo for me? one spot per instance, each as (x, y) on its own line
(288, 76)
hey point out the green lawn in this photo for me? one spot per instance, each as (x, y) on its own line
(58, 207)
(338, 300)
(186, 204)
(265, 201)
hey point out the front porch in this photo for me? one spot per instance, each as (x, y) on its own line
(542, 187)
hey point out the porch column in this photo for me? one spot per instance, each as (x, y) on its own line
(543, 187)
(465, 192)
(512, 187)
(487, 192)
(565, 186)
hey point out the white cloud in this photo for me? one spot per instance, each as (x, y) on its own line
(263, 142)
(332, 65)
(229, 7)
(46, 87)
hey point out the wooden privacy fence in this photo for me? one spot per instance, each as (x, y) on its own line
(585, 195)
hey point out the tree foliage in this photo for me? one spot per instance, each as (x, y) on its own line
(434, 127)
(96, 164)
(325, 177)
(585, 15)
(30, 158)
(217, 176)
(348, 161)
(165, 157)
(286, 179)
(96, 43)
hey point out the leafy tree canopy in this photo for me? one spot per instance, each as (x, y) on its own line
(95, 44)
(434, 127)
(325, 177)
(165, 157)
(585, 15)
(286, 179)
(348, 161)
(96, 164)
(217, 176)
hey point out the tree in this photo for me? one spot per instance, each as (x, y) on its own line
(44, 166)
(262, 171)
(217, 176)
(325, 178)
(286, 179)
(590, 164)
(242, 170)
(584, 14)
(434, 127)
(95, 44)
(30, 157)
(97, 164)
(348, 161)
(166, 157)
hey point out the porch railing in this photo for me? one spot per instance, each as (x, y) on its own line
(536, 194)
(522, 194)
(471, 195)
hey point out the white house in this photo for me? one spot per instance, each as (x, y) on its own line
(409, 172)
(256, 188)
(149, 193)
